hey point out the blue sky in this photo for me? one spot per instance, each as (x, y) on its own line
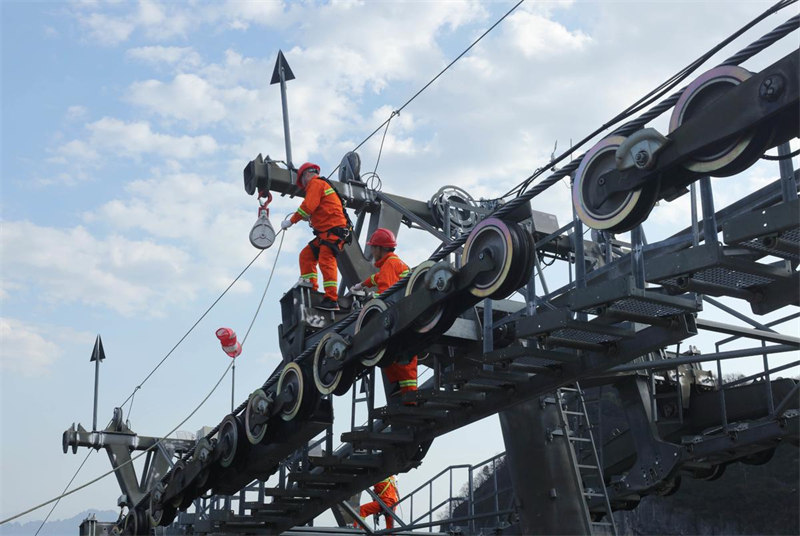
(125, 128)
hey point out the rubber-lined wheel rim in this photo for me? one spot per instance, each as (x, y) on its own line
(135, 523)
(522, 267)
(371, 309)
(620, 211)
(725, 158)
(337, 382)
(159, 512)
(182, 500)
(429, 319)
(255, 425)
(231, 435)
(492, 234)
(292, 376)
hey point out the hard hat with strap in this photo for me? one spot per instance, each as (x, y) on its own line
(305, 167)
(382, 238)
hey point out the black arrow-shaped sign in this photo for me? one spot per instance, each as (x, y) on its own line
(98, 352)
(287, 71)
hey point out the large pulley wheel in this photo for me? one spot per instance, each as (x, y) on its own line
(136, 524)
(371, 310)
(429, 319)
(159, 512)
(729, 156)
(177, 480)
(619, 211)
(332, 347)
(231, 440)
(256, 416)
(504, 243)
(292, 382)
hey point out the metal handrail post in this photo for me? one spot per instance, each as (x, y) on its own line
(695, 224)
(721, 386)
(768, 383)
(470, 503)
(709, 216)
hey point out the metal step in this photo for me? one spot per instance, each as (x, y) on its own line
(422, 413)
(429, 395)
(772, 230)
(620, 298)
(293, 492)
(713, 270)
(272, 508)
(377, 439)
(557, 328)
(320, 478)
(353, 462)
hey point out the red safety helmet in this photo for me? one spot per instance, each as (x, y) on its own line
(382, 238)
(305, 167)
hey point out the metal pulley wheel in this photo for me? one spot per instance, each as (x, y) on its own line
(619, 211)
(262, 235)
(332, 346)
(726, 157)
(159, 512)
(504, 242)
(443, 209)
(256, 416)
(231, 440)
(177, 479)
(416, 282)
(370, 310)
(136, 524)
(293, 378)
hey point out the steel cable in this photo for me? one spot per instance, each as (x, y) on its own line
(244, 339)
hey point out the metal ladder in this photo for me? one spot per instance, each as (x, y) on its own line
(572, 409)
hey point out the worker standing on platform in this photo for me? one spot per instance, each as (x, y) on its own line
(323, 208)
(382, 244)
(387, 491)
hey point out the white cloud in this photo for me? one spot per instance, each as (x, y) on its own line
(188, 97)
(132, 139)
(537, 36)
(75, 112)
(72, 266)
(181, 57)
(23, 350)
(107, 30)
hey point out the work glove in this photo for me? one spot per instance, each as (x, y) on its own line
(285, 224)
(358, 287)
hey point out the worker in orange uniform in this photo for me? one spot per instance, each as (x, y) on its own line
(323, 208)
(387, 491)
(382, 244)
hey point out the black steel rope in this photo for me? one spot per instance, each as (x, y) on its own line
(432, 80)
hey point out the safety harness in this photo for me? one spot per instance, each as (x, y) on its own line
(345, 234)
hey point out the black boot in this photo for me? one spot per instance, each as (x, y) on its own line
(328, 305)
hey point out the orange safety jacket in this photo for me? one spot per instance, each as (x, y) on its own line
(321, 206)
(387, 491)
(390, 270)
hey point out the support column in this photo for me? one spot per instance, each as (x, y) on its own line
(549, 500)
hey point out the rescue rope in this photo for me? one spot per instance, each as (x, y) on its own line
(65, 489)
(230, 365)
(190, 330)
(87, 484)
(525, 196)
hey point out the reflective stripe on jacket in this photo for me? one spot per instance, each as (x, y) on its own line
(387, 490)
(390, 270)
(321, 206)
